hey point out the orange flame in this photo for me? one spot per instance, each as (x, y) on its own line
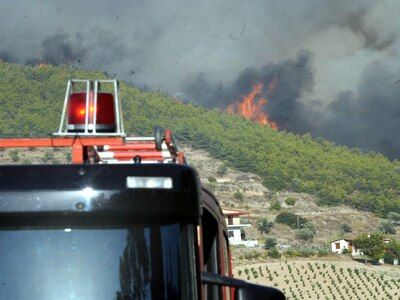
(42, 65)
(251, 106)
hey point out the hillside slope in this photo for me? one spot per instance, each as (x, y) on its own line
(31, 102)
(257, 200)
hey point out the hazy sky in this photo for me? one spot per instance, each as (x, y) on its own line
(203, 50)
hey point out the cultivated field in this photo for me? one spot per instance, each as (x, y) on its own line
(319, 279)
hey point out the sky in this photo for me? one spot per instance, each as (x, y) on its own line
(336, 63)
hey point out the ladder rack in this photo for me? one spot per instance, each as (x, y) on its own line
(91, 124)
(158, 149)
(109, 150)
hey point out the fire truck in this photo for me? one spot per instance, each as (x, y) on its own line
(127, 219)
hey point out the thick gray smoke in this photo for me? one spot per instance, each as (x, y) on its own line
(336, 63)
(369, 118)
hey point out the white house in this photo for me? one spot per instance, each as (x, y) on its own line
(232, 218)
(337, 246)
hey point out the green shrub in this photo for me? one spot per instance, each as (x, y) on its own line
(274, 253)
(47, 156)
(264, 226)
(346, 228)
(292, 253)
(290, 201)
(392, 251)
(310, 226)
(264, 255)
(270, 242)
(211, 179)
(290, 219)
(221, 170)
(14, 154)
(238, 195)
(304, 234)
(393, 216)
(211, 185)
(275, 205)
(387, 227)
(323, 252)
(307, 252)
(252, 255)
(288, 252)
(345, 251)
(247, 256)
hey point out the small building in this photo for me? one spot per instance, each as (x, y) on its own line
(337, 246)
(235, 227)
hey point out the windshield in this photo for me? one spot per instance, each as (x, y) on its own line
(137, 262)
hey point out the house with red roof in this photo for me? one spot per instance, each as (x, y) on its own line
(232, 217)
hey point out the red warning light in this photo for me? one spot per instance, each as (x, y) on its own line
(82, 110)
(105, 112)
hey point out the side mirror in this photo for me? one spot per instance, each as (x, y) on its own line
(254, 291)
(243, 289)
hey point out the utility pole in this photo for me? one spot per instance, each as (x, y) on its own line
(298, 228)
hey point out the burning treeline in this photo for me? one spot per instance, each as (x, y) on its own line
(252, 106)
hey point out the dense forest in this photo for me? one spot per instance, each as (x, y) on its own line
(31, 102)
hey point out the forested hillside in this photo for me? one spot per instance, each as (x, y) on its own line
(31, 102)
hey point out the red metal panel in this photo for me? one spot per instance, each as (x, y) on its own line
(136, 146)
(156, 155)
(77, 154)
(181, 158)
(60, 142)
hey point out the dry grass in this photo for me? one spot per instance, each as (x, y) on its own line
(35, 156)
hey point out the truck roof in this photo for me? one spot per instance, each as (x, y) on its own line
(140, 189)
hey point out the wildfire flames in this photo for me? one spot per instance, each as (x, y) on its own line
(252, 106)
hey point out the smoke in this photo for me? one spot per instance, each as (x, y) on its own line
(324, 55)
(370, 118)
(58, 49)
(290, 78)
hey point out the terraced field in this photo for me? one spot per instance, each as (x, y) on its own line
(307, 279)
